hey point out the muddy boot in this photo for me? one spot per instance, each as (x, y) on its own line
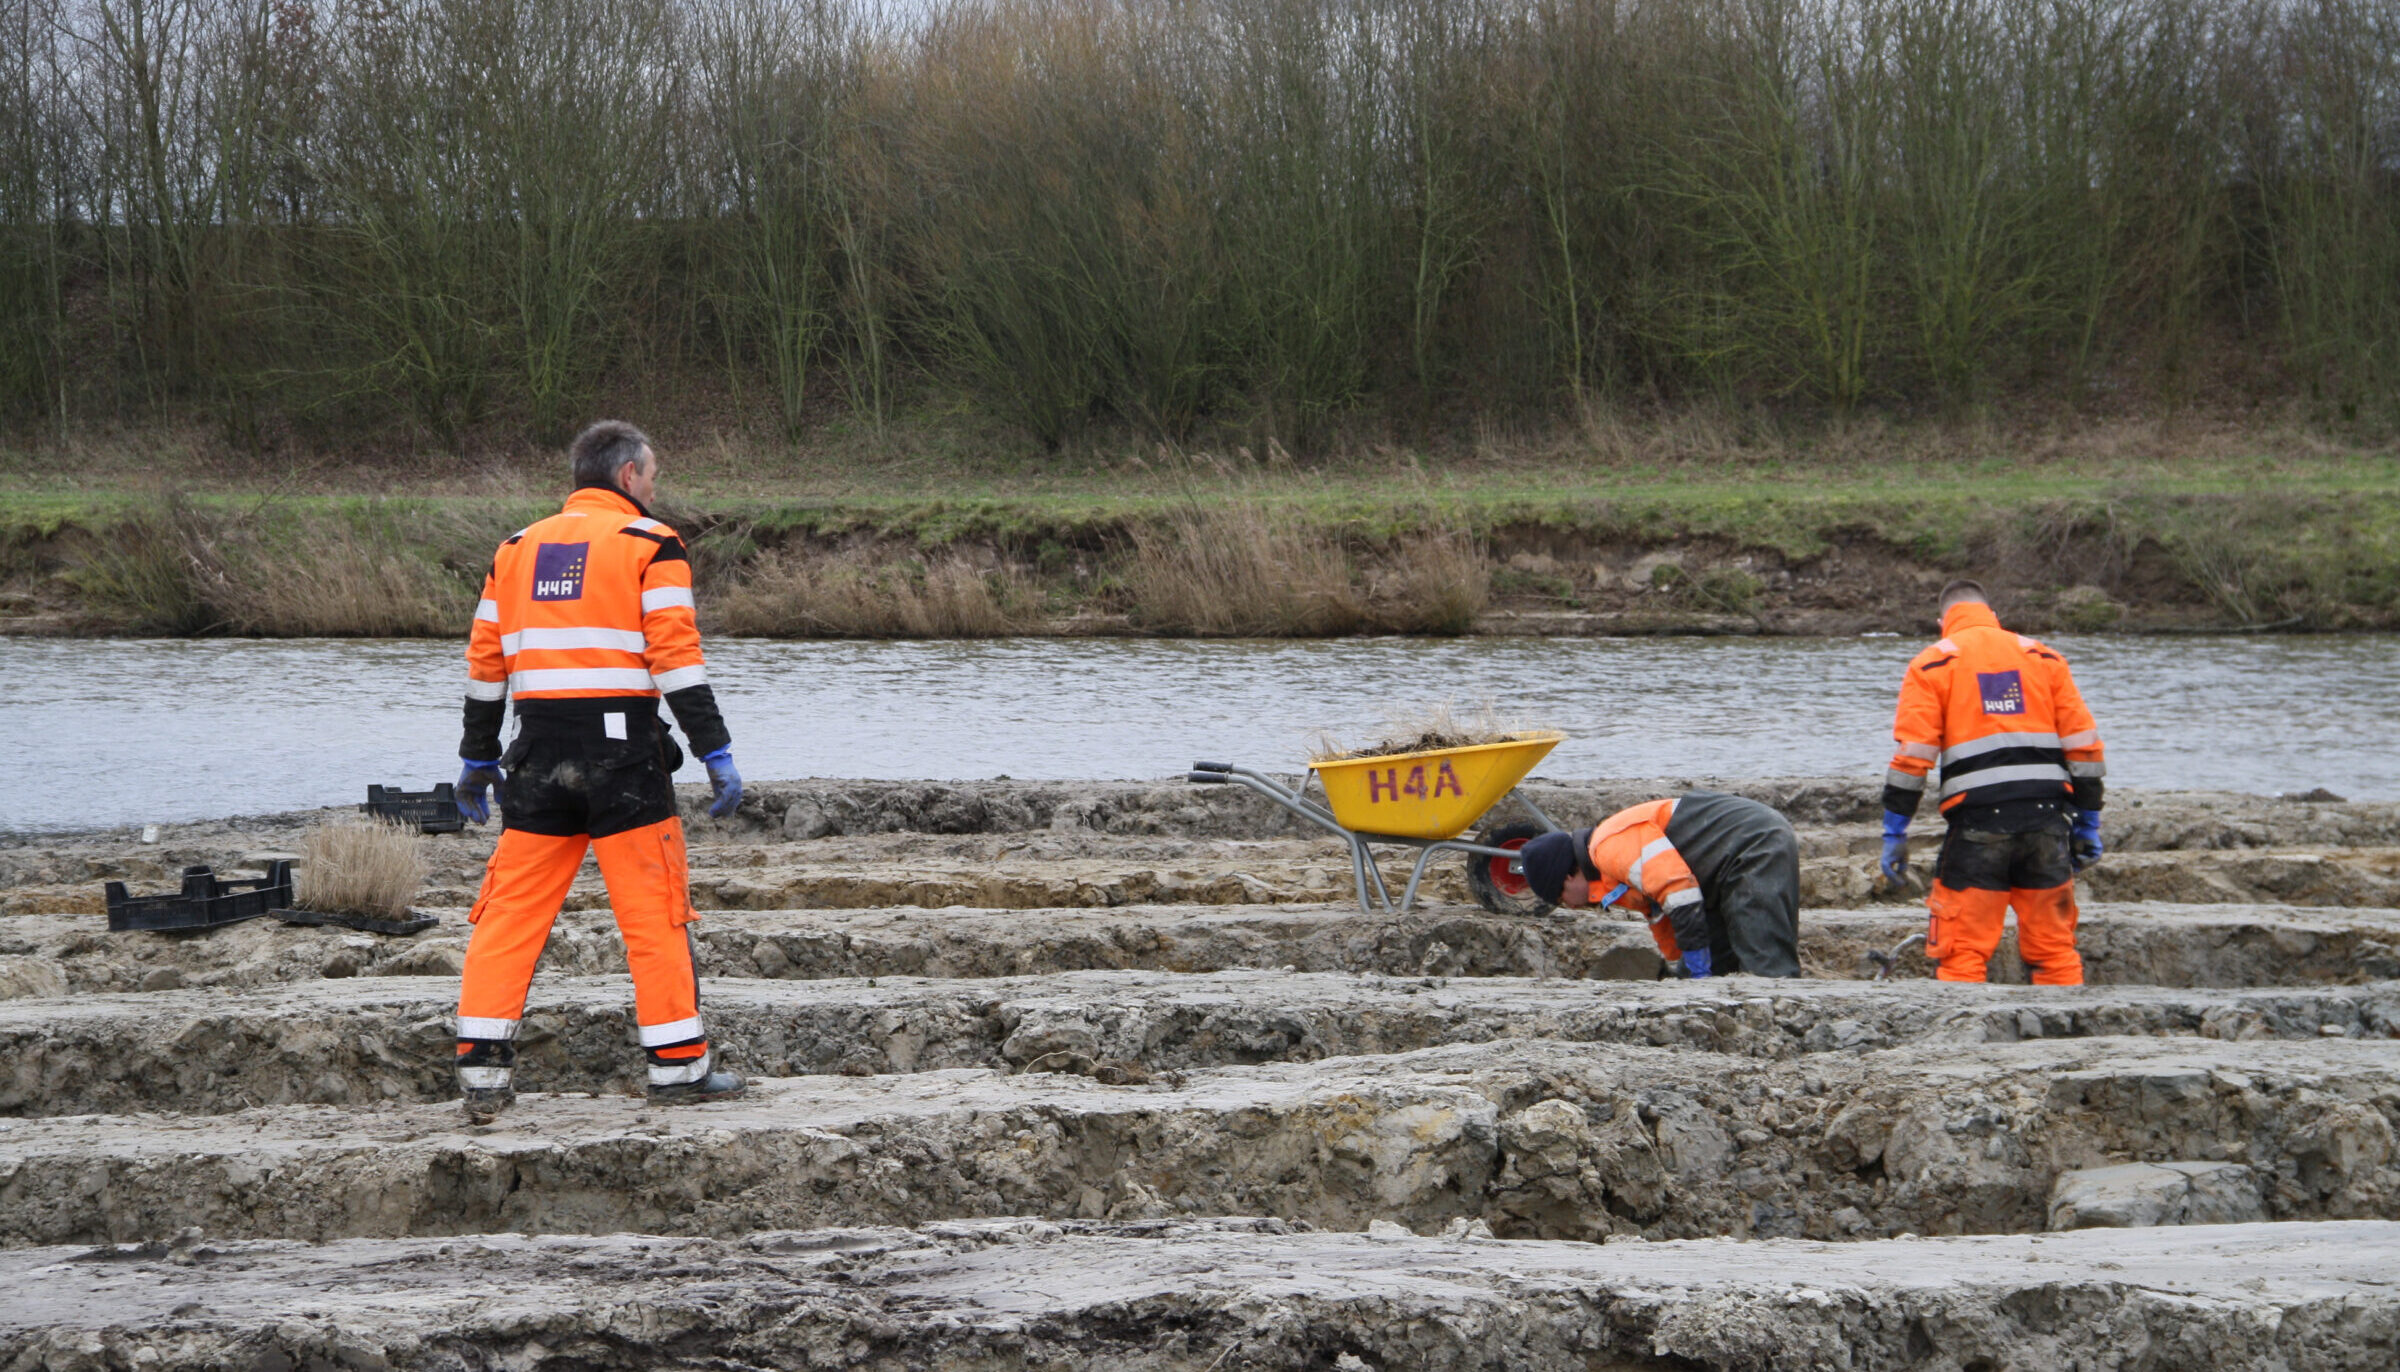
(711, 1085)
(486, 1079)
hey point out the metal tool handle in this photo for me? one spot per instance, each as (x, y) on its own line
(1199, 778)
(1212, 766)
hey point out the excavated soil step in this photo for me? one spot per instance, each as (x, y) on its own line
(1018, 876)
(2159, 945)
(1540, 1139)
(1004, 844)
(391, 1038)
(857, 812)
(1095, 872)
(1199, 1295)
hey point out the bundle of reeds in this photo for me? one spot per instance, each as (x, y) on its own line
(359, 867)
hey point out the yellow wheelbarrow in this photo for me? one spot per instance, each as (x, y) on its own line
(1424, 801)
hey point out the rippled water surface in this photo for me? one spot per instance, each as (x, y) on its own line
(131, 731)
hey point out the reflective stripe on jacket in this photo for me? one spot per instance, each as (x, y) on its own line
(594, 601)
(1631, 849)
(1997, 712)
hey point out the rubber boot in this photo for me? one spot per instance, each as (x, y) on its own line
(717, 1085)
(486, 1079)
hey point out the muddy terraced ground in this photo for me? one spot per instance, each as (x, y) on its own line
(1112, 1075)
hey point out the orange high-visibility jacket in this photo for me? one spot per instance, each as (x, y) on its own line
(2000, 714)
(1630, 849)
(595, 601)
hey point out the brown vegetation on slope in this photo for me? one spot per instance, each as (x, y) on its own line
(803, 594)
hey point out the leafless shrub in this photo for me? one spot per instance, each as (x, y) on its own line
(359, 867)
(837, 595)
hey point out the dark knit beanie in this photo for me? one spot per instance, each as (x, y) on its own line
(1548, 859)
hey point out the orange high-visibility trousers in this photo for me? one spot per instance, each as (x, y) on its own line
(1963, 931)
(646, 872)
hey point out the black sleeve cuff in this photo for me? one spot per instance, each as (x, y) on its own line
(481, 740)
(1691, 926)
(2088, 791)
(1901, 802)
(696, 710)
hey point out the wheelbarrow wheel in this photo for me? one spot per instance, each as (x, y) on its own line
(1496, 888)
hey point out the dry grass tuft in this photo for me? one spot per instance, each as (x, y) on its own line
(1242, 570)
(835, 595)
(1434, 583)
(1247, 569)
(348, 586)
(181, 568)
(359, 867)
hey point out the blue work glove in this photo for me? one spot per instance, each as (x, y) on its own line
(471, 783)
(1895, 848)
(2087, 848)
(724, 782)
(1695, 962)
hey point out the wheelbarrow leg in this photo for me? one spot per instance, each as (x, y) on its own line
(1535, 810)
(1370, 877)
(1425, 859)
(1416, 874)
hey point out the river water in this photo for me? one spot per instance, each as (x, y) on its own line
(133, 731)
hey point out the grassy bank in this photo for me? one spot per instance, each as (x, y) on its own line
(1845, 534)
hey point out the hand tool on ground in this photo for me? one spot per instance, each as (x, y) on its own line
(1886, 961)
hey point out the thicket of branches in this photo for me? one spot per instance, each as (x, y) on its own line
(480, 216)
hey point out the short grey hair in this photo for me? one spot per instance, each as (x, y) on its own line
(603, 450)
(1964, 590)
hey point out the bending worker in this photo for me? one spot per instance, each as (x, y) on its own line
(2021, 784)
(587, 619)
(1716, 876)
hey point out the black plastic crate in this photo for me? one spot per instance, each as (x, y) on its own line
(204, 902)
(432, 812)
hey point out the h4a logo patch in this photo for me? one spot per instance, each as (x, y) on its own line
(558, 570)
(2003, 692)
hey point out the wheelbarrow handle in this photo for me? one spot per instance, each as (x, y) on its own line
(1219, 767)
(1200, 778)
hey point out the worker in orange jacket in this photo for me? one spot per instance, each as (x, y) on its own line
(2021, 770)
(1716, 876)
(586, 621)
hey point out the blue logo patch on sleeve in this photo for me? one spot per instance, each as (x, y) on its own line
(2003, 692)
(558, 570)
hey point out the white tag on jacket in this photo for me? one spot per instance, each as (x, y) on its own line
(613, 724)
